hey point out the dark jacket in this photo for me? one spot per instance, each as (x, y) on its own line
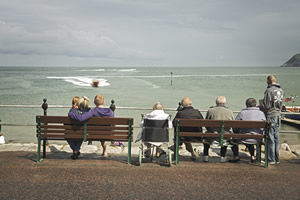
(272, 102)
(188, 113)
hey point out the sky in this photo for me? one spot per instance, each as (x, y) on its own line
(148, 33)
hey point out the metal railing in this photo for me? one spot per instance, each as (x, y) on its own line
(112, 106)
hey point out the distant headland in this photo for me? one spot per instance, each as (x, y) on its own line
(293, 61)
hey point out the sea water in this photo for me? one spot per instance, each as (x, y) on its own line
(133, 87)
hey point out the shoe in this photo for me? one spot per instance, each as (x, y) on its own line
(234, 160)
(158, 155)
(75, 155)
(205, 158)
(253, 159)
(194, 157)
(272, 163)
(223, 159)
(277, 162)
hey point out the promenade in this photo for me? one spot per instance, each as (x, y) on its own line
(96, 177)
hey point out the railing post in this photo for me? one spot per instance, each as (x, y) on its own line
(112, 105)
(45, 107)
(179, 106)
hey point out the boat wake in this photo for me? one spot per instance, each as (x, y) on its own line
(83, 81)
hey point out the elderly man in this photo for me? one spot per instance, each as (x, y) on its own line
(251, 112)
(272, 105)
(188, 112)
(218, 112)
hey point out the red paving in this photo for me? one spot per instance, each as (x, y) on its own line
(59, 177)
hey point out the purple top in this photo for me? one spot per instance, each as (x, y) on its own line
(95, 112)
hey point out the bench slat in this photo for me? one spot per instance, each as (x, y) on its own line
(94, 120)
(104, 137)
(217, 135)
(70, 127)
(218, 123)
(80, 132)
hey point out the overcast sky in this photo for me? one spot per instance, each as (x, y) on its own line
(148, 33)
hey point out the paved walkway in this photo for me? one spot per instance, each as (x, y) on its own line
(59, 177)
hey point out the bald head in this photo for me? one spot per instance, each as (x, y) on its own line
(221, 100)
(271, 79)
(186, 102)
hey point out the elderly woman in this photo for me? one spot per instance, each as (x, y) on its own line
(157, 114)
(83, 105)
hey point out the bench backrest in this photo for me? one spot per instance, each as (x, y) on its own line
(155, 130)
(61, 127)
(222, 124)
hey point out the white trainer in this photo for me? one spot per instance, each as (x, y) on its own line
(223, 159)
(205, 159)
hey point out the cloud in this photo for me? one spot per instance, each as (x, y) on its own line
(196, 32)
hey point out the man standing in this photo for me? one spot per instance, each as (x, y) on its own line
(272, 104)
(188, 112)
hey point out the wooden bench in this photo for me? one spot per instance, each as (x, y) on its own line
(96, 128)
(222, 124)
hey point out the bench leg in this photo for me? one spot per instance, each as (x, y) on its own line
(129, 151)
(266, 153)
(258, 148)
(44, 148)
(177, 151)
(38, 156)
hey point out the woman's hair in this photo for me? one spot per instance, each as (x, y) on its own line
(99, 100)
(74, 101)
(158, 106)
(83, 103)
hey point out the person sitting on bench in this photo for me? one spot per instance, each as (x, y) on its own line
(251, 112)
(98, 111)
(83, 106)
(218, 112)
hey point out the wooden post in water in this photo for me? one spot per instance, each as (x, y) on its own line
(171, 78)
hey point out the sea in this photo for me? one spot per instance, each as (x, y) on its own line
(134, 88)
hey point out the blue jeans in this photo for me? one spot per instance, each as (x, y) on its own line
(273, 150)
(75, 144)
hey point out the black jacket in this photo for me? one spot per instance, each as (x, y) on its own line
(188, 113)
